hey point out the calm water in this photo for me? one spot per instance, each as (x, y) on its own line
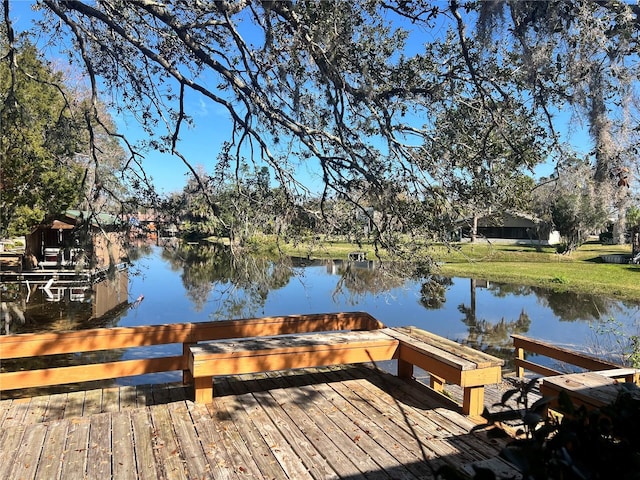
(194, 284)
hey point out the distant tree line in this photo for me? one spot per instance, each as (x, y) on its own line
(423, 112)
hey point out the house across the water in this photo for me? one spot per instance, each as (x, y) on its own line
(77, 240)
(509, 228)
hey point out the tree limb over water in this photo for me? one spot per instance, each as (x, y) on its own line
(366, 93)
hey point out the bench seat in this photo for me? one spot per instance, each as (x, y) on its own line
(445, 360)
(262, 354)
(448, 361)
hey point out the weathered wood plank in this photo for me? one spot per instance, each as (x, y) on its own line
(481, 359)
(124, 457)
(276, 452)
(429, 409)
(394, 422)
(249, 355)
(92, 402)
(56, 407)
(50, 462)
(233, 422)
(99, 456)
(127, 397)
(179, 393)
(75, 404)
(343, 465)
(37, 409)
(143, 440)
(5, 406)
(264, 458)
(75, 451)
(310, 458)
(160, 394)
(443, 356)
(144, 396)
(427, 419)
(188, 442)
(209, 433)
(165, 447)
(25, 458)
(356, 441)
(16, 412)
(282, 424)
(10, 439)
(111, 399)
(380, 432)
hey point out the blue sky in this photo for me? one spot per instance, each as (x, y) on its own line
(202, 142)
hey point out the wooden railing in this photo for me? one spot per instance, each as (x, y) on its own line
(524, 344)
(103, 339)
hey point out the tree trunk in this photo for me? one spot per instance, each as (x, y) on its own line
(474, 228)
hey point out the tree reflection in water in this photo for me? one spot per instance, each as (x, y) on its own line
(240, 283)
(206, 282)
(358, 280)
(491, 337)
(433, 291)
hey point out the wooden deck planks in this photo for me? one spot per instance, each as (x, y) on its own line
(324, 423)
(276, 438)
(143, 441)
(323, 435)
(188, 442)
(26, 457)
(354, 435)
(220, 461)
(286, 435)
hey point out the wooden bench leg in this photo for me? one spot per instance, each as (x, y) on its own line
(436, 383)
(405, 369)
(187, 377)
(473, 401)
(203, 387)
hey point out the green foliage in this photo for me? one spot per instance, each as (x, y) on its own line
(594, 444)
(585, 444)
(633, 217)
(432, 108)
(37, 143)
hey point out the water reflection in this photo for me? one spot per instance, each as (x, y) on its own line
(51, 304)
(192, 283)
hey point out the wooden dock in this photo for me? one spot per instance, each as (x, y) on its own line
(333, 422)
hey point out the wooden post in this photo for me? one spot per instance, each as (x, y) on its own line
(203, 388)
(519, 356)
(405, 369)
(473, 401)
(187, 377)
(436, 382)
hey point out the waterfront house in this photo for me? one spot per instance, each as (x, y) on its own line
(76, 240)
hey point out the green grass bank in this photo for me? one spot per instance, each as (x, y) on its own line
(582, 271)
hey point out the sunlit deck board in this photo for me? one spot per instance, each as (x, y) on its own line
(319, 423)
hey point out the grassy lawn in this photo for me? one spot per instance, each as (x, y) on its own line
(582, 271)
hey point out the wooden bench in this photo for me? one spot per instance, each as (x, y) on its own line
(590, 389)
(445, 360)
(263, 354)
(448, 361)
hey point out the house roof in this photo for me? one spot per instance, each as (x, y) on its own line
(97, 219)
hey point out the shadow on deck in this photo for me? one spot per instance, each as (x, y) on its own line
(335, 422)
